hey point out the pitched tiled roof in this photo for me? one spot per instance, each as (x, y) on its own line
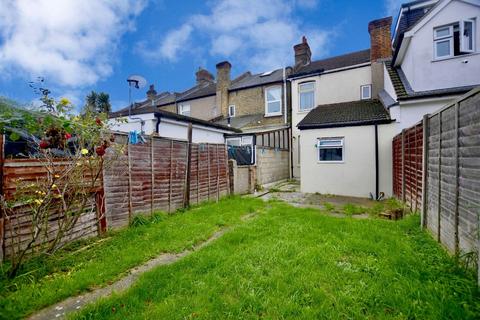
(400, 90)
(201, 90)
(342, 61)
(408, 19)
(344, 114)
(253, 80)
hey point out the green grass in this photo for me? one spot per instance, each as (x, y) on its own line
(298, 263)
(86, 265)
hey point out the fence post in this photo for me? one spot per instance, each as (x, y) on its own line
(457, 178)
(186, 202)
(424, 170)
(439, 186)
(170, 178)
(403, 165)
(129, 182)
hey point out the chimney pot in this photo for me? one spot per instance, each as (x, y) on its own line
(151, 93)
(203, 76)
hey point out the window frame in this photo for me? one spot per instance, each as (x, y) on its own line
(231, 107)
(462, 39)
(369, 86)
(448, 38)
(181, 110)
(342, 146)
(273, 114)
(300, 95)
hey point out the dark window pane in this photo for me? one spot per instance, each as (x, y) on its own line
(333, 154)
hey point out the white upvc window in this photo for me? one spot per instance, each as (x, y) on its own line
(273, 101)
(366, 92)
(331, 149)
(184, 109)
(454, 40)
(443, 42)
(231, 110)
(306, 93)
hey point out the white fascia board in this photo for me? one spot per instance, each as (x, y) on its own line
(185, 124)
(403, 50)
(416, 101)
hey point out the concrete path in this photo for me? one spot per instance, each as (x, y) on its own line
(72, 304)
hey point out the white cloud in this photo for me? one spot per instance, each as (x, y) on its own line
(392, 7)
(70, 42)
(256, 34)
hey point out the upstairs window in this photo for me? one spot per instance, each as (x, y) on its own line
(184, 110)
(330, 149)
(306, 93)
(454, 40)
(231, 110)
(366, 92)
(273, 101)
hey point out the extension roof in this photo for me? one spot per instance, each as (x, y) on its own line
(345, 114)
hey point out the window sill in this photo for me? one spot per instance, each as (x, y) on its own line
(304, 111)
(455, 57)
(328, 162)
(268, 115)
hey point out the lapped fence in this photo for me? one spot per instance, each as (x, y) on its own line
(161, 174)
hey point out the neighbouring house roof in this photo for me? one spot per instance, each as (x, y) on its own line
(170, 115)
(201, 90)
(342, 61)
(240, 122)
(404, 91)
(248, 80)
(345, 114)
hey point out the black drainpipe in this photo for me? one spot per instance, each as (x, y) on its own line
(376, 162)
(159, 119)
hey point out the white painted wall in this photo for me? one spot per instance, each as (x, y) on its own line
(410, 112)
(423, 72)
(388, 85)
(355, 176)
(335, 87)
(171, 129)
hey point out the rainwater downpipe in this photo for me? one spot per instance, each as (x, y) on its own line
(285, 93)
(157, 126)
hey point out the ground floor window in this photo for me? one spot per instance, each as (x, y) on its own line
(330, 149)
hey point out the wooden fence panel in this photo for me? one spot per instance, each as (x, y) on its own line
(407, 166)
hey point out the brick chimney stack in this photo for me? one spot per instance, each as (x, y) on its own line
(380, 39)
(223, 83)
(151, 93)
(380, 51)
(203, 76)
(303, 55)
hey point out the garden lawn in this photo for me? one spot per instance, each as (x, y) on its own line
(86, 265)
(299, 263)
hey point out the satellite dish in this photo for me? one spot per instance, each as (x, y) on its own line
(137, 81)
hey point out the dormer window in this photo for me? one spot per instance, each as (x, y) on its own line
(454, 40)
(366, 92)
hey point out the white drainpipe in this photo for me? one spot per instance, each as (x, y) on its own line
(285, 93)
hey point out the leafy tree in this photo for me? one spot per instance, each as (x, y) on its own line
(97, 103)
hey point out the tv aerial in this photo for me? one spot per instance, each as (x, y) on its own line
(137, 82)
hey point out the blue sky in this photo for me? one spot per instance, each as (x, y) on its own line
(79, 46)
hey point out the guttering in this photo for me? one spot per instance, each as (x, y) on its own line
(343, 124)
